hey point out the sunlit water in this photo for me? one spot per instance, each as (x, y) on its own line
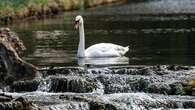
(158, 32)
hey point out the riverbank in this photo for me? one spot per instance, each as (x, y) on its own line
(11, 10)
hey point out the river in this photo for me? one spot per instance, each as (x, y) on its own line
(160, 34)
(157, 31)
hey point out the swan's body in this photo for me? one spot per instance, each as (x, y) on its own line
(105, 50)
(97, 50)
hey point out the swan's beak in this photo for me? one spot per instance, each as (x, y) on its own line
(76, 24)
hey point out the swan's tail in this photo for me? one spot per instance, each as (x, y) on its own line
(126, 49)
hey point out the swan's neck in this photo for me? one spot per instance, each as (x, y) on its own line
(81, 48)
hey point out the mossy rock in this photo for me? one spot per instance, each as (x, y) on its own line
(18, 104)
(24, 86)
(101, 106)
(71, 84)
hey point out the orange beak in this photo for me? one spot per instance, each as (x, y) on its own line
(76, 24)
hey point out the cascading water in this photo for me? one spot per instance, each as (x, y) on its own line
(112, 88)
(158, 32)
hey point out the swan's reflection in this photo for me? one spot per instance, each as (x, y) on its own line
(103, 61)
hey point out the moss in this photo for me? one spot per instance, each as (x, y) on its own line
(192, 83)
(180, 90)
(186, 89)
(189, 88)
(69, 84)
(24, 86)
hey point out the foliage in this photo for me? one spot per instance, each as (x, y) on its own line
(189, 88)
(11, 9)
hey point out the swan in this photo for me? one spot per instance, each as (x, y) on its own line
(98, 50)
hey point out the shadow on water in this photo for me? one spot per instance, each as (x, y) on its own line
(158, 32)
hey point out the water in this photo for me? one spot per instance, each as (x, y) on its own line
(157, 31)
(111, 88)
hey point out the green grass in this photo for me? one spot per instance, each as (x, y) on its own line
(13, 9)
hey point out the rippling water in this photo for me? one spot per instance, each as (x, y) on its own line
(157, 31)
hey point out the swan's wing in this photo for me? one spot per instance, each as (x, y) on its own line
(106, 49)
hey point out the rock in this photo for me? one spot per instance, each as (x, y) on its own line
(95, 103)
(193, 91)
(24, 86)
(121, 84)
(75, 98)
(159, 88)
(178, 67)
(9, 79)
(189, 104)
(177, 89)
(192, 83)
(142, 71)
(11, 48)
(70, 84)
(97, 106)
(5, 98)
(101, 106)
(13, 39)
(17, 104)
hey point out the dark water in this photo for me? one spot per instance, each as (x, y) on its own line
(158, 32)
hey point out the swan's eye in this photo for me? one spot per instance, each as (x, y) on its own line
(76, 24)
(76, 21)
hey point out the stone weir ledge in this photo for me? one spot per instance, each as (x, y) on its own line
(25, 87)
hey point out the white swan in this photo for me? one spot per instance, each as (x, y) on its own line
(97, 50)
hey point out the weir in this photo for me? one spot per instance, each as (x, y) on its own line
(157, 74)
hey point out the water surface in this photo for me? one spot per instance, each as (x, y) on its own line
(157, 31)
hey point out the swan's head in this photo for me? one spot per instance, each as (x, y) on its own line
(78, 21)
